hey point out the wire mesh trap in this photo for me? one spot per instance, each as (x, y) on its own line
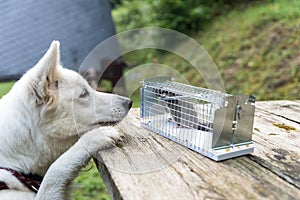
(213, 123)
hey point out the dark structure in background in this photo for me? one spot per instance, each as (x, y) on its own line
(28, 27)
(106, 69)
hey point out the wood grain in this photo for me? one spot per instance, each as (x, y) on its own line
(149, 166)
(289, 110)
(278, 149)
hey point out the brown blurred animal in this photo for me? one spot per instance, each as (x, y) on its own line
(111, 70)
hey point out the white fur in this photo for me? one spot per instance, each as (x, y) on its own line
(50, 126)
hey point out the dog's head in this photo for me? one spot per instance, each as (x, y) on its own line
(62, 102)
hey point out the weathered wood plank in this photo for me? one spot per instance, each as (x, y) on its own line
(278, 149)
(152, 167)
(287, 109)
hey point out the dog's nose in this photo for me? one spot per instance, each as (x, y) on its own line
(126, 102)
(129, 104)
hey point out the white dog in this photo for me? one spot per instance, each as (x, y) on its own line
(51, 123)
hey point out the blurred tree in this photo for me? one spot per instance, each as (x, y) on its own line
(182, 15)
(115, 3)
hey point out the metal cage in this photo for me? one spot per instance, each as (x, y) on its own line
(213, 123)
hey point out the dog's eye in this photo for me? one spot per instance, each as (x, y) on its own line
(84, 94)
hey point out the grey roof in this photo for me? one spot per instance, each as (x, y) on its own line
(28, 27)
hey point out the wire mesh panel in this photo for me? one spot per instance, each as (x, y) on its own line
(187, 115)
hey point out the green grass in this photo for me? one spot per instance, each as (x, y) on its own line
(257, 49)
(88, 185)
(255, 46)
(5, 87)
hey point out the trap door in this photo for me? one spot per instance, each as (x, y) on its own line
(233, 123)
(153, 111)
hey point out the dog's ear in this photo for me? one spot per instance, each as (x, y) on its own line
(47, 75)
(49, 63)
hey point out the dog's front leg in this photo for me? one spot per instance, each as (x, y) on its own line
(62, 172)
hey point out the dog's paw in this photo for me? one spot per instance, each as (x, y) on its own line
(101, 138)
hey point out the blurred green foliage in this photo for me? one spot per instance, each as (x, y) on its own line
(89, 185)
(255, 46)
(185, 16)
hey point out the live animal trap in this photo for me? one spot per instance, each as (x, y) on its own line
(213, 123)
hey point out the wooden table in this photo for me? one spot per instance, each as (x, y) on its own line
(149, 166)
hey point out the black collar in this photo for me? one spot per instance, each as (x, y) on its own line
(31, 181)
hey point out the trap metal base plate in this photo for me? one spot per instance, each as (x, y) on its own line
(202, 137)
(230, 152)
